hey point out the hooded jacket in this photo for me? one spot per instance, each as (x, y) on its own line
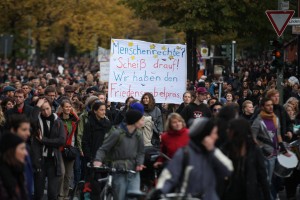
(202, 168)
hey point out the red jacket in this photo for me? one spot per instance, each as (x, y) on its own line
(173, 140)
(69, 136)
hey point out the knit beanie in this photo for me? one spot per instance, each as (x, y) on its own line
(137, 106)
(9, 141)
(133, 116)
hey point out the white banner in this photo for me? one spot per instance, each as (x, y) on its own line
(103, 54)
(137, 67)
(104, 71)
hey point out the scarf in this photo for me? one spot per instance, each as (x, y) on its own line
(47, 130)
(271, 116)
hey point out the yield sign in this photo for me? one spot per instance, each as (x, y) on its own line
(279, 19)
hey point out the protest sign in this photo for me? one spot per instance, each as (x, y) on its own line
(104, 71)
(137, 67)
(103, 54)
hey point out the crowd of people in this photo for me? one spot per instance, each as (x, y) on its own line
(222, 142)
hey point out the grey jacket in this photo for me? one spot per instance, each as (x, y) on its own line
(122, 149)
(157, 119)
(261, 134)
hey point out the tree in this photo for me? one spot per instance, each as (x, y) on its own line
(221, 19)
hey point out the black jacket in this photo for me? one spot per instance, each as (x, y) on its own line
(56, 140)
(28, 111)
(12, 183)
(93, 135)
(180, 108)
(254, 185)
(193, 111)
(284, 119)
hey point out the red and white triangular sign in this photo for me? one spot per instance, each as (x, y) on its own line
(279, 19)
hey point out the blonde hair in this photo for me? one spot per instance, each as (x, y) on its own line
(245, 103)
(293, 99)
(171, 117)
(2, 117)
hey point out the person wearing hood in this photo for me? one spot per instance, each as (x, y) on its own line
(200, 162)
(70, 122)
(46, 155)
(12, 161)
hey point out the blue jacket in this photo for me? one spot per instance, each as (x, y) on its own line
(200, 172)
(29, 175)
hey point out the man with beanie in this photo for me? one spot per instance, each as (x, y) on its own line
(125, 147)
(147, 129)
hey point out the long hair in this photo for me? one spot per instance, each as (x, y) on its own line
(9, 157)
(240, 135)
(151, 104)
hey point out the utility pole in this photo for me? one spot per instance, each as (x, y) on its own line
(232, 55)
(281, 66)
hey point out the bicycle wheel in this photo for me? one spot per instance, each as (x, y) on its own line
(78, 191)
(107, 195)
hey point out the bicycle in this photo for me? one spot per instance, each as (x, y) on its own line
(178, 196)
(108, 193)
(149, 176)
(77, 193)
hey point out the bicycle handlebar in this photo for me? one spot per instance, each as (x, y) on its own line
(110, 169)
(174, 195)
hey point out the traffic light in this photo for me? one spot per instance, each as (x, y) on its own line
(226, 50)
(277, 54)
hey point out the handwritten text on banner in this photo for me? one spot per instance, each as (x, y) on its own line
(137, 67)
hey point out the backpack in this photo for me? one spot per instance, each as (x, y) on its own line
(147, 131)
(122, 134)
